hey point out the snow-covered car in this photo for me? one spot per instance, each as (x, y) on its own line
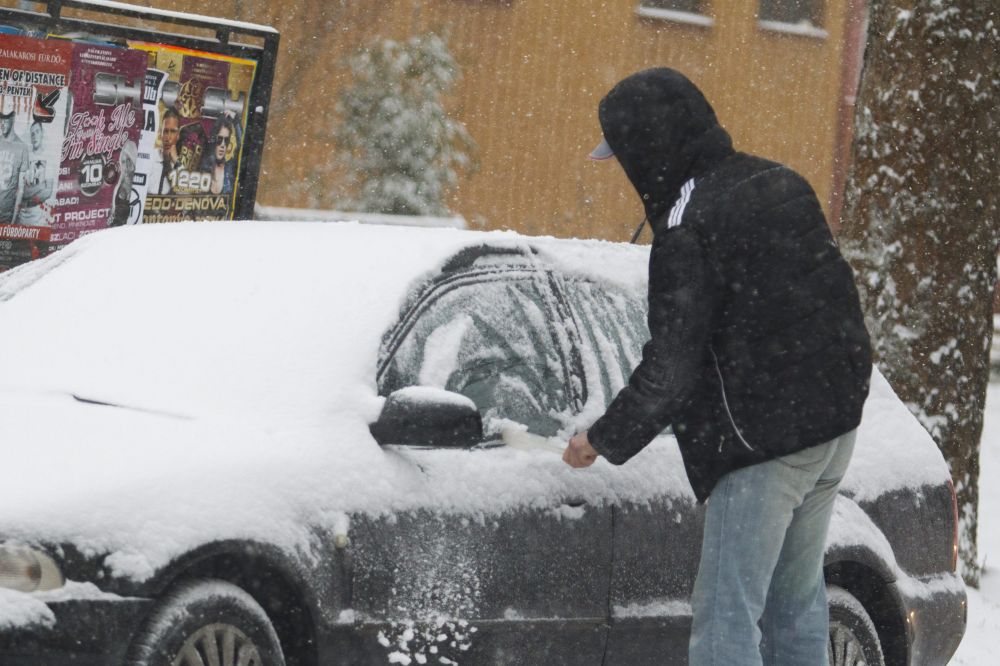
(279, 443)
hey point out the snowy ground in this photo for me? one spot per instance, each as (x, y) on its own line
(979, 646)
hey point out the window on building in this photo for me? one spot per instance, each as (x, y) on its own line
(692, 6)
(795, 12)
(681, 11)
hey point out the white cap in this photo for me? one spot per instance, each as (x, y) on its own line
(602, 151)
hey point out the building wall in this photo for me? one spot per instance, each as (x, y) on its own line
(533, 73)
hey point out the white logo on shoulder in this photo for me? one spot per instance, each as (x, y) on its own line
(677, 212)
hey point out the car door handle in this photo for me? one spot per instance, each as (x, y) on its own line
(575, 503)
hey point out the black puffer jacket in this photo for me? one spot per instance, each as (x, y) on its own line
(758, 347)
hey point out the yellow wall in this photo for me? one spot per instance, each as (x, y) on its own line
(533, 73)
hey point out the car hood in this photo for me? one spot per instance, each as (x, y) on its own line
(141, 486)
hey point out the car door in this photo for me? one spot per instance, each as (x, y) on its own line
(506, 568)
(657, 535)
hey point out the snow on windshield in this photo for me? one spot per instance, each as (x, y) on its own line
(202, 318)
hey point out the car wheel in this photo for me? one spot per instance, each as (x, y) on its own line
(853, 639)
(207, 622)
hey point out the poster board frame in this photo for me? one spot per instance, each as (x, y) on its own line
(229, 38)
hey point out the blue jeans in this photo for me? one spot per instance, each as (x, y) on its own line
(762, 562)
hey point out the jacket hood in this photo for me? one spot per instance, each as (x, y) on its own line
(663, 132)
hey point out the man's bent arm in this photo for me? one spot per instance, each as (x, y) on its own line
(681, 303)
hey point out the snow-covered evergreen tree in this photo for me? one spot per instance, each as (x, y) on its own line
(401, 150)
(921, 223)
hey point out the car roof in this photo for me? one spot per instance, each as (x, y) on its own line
(198, 318)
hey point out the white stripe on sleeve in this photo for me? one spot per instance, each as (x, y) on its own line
(677, 212)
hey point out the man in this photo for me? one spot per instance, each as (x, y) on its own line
(758, 358)
(13, 164)
(121, 202)
(38, 182)
(170, 130)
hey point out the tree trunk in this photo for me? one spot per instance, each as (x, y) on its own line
(920, 223)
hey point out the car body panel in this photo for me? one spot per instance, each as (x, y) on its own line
(478, 582)
(85, 632)
(657, 546)
(936, 619)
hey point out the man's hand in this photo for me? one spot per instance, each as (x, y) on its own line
(580, 453)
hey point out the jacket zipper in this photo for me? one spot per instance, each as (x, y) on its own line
(725, 403)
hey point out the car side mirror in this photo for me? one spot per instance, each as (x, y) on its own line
(432, 417)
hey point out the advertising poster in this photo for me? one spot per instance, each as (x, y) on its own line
(148, 167)
(34, 78)
(100, 149)
(197, 132)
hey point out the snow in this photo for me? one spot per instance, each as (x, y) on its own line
(76, 591)
(423, 644)
(849, 525)
(567, 512)
(430, 394)
(802, 28)
(17, 609)
(876, 467)
(979, 645)
(184, 16)
(688, 18)
(441, 352)
(658, 608)
(284, 214)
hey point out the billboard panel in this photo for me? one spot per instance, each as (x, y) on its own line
(34, 78)
(197, 132)
(103, 124)
(100, 148)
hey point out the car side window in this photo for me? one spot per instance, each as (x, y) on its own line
(494, 341)
(614, 329)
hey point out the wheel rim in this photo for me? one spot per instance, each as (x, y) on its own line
(845, 648)
(218, 645)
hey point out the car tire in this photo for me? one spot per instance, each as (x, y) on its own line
(207, 622)
(853, 638)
